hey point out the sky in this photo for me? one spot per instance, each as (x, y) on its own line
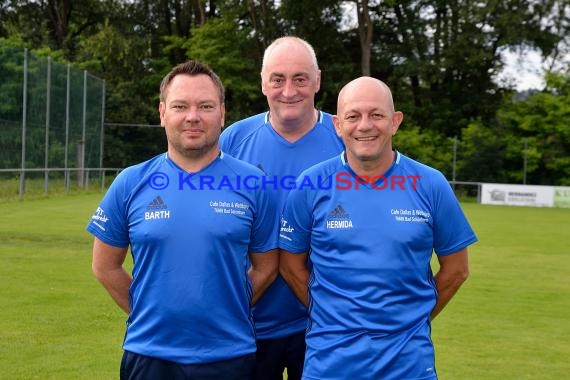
(523, 69)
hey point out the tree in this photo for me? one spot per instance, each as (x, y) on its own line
(365, 27)
(542, 120)
(439, 57)
(425, 146)
(482, 154)
(318, 23)
(445, 55)
(234, 57)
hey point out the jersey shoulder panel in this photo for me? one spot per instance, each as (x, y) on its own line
(326, 167)
(240, 132)
(427, 176)
(240, 167)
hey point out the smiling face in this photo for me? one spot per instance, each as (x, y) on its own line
(290, 79)
(192, 115)
(366, 122)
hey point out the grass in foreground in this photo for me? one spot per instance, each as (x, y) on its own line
(57, 322)
(509, 321)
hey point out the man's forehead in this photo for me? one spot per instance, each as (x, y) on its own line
(201, 98)
(196, 85)
(295, 60)
(362, 102)
(362, 94)
(278, 73)
(361, 108)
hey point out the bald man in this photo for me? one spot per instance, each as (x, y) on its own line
(369, 237)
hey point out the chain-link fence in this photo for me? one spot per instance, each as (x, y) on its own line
(52, 120)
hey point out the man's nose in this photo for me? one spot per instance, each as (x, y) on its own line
(289, 88)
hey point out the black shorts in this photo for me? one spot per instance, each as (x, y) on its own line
(274, 355)
(139, 367)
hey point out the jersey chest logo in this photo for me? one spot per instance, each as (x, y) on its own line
(338, 218)
(157, 209)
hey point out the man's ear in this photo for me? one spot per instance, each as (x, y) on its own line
(161, 110)
(318, 81)
(397, 119)
(337, 127)
(262, 85)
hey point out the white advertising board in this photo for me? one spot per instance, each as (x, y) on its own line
(517, 195)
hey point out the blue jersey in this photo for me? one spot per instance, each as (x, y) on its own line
(190, 235)
(371, 289)
(278, 312)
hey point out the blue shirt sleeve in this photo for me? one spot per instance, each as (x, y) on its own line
(296, 222)
(452, 231)
(266, 222)
(109, 222)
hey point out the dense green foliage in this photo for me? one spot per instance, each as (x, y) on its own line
(441, 59)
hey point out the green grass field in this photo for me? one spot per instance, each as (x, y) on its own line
(511, 320)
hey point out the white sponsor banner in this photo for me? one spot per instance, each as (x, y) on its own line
(517, 195)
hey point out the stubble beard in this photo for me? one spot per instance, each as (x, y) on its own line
(194, 153)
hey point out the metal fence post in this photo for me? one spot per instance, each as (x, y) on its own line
(66, 152)
(454, 161)
(82, 143)
(524, 160)
(48, 115)
(102, 137)
(24, 125)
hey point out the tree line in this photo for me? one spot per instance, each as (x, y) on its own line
(441, 58)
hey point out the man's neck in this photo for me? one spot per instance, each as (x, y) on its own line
(296, 129)
(373, 168)
(193, 161)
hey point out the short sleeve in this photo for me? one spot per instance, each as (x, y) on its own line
(265, 223)
(296, 222)
(109, 221)
(452, 231)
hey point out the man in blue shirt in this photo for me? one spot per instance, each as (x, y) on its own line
(202, 241)
(289, 138)
(368, 221)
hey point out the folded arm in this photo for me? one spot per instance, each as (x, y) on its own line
(263, 271)
(294, 270)
(453, 271)
(107, 265)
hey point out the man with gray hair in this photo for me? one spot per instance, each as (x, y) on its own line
(292, 136)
